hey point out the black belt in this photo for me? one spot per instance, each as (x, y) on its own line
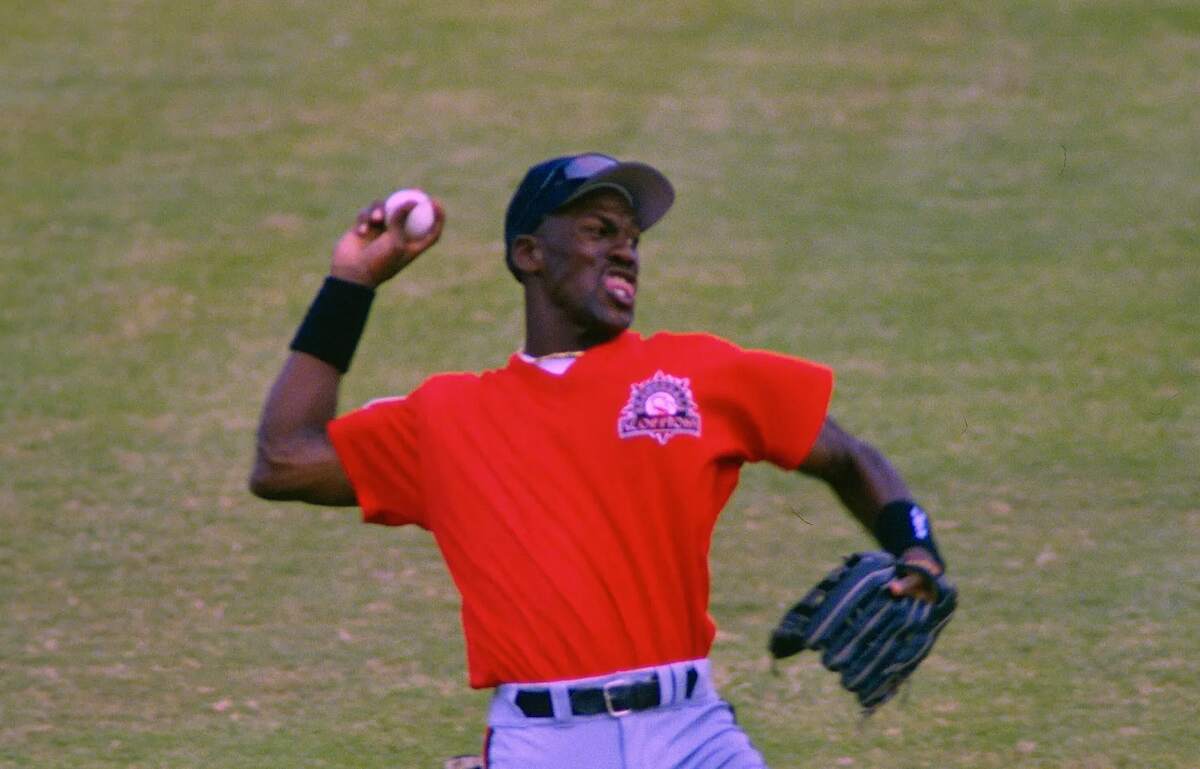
(617, 698)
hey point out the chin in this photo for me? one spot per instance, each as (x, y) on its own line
(620, 320)
(608, 325)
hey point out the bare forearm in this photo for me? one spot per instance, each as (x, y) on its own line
(866, 482)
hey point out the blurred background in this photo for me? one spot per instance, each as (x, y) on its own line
(985, 217)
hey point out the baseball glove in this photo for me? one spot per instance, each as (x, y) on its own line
(871, 638)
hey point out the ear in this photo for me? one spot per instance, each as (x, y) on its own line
(527, 255)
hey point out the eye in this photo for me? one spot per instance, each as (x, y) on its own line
(599, 228)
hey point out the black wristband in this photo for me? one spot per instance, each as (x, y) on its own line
(335, 322)
(902, 524)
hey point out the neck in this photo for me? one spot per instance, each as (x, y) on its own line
(547, 332)
(539, 342)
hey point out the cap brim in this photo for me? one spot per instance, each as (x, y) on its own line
(649, 192)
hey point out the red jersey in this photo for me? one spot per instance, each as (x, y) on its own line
(575, 511)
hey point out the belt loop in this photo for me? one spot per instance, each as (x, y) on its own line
(677, 689)
(666, 684)
(560, 701)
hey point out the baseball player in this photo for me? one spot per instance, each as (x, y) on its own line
(573, 492)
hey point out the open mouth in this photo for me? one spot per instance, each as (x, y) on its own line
(622, 288)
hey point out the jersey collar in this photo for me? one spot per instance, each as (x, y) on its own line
(559, 365)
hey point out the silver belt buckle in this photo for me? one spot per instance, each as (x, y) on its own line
(608, 697)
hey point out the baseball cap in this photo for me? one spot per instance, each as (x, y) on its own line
(552, 184)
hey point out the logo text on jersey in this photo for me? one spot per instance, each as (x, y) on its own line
(660, 407)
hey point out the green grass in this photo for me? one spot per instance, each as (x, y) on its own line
(985, 217)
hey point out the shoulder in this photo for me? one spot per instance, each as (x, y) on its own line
(435, 387)
(691, 343)
(455, 380)
(717, 351)
(453, 386)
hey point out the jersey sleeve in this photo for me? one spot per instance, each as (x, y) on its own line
(378, 448)
(780, 405)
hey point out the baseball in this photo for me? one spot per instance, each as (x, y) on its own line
(420, 219)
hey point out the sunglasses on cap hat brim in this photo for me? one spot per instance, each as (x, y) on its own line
(646, 189)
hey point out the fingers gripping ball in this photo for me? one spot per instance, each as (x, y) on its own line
(420, 218)
(872, 639)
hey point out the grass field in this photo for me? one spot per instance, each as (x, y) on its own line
(986, 217)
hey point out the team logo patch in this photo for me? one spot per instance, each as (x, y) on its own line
(660, 407)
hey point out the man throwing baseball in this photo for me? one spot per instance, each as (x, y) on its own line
(573, 492)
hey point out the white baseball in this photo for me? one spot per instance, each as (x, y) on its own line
(420, 219)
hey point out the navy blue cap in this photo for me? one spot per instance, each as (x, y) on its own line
(552, 184)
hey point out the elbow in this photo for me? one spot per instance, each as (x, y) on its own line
(841, 470)
(859, 462)
(262, 483)
(844, 462)
(269, 476)
(301, 468)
